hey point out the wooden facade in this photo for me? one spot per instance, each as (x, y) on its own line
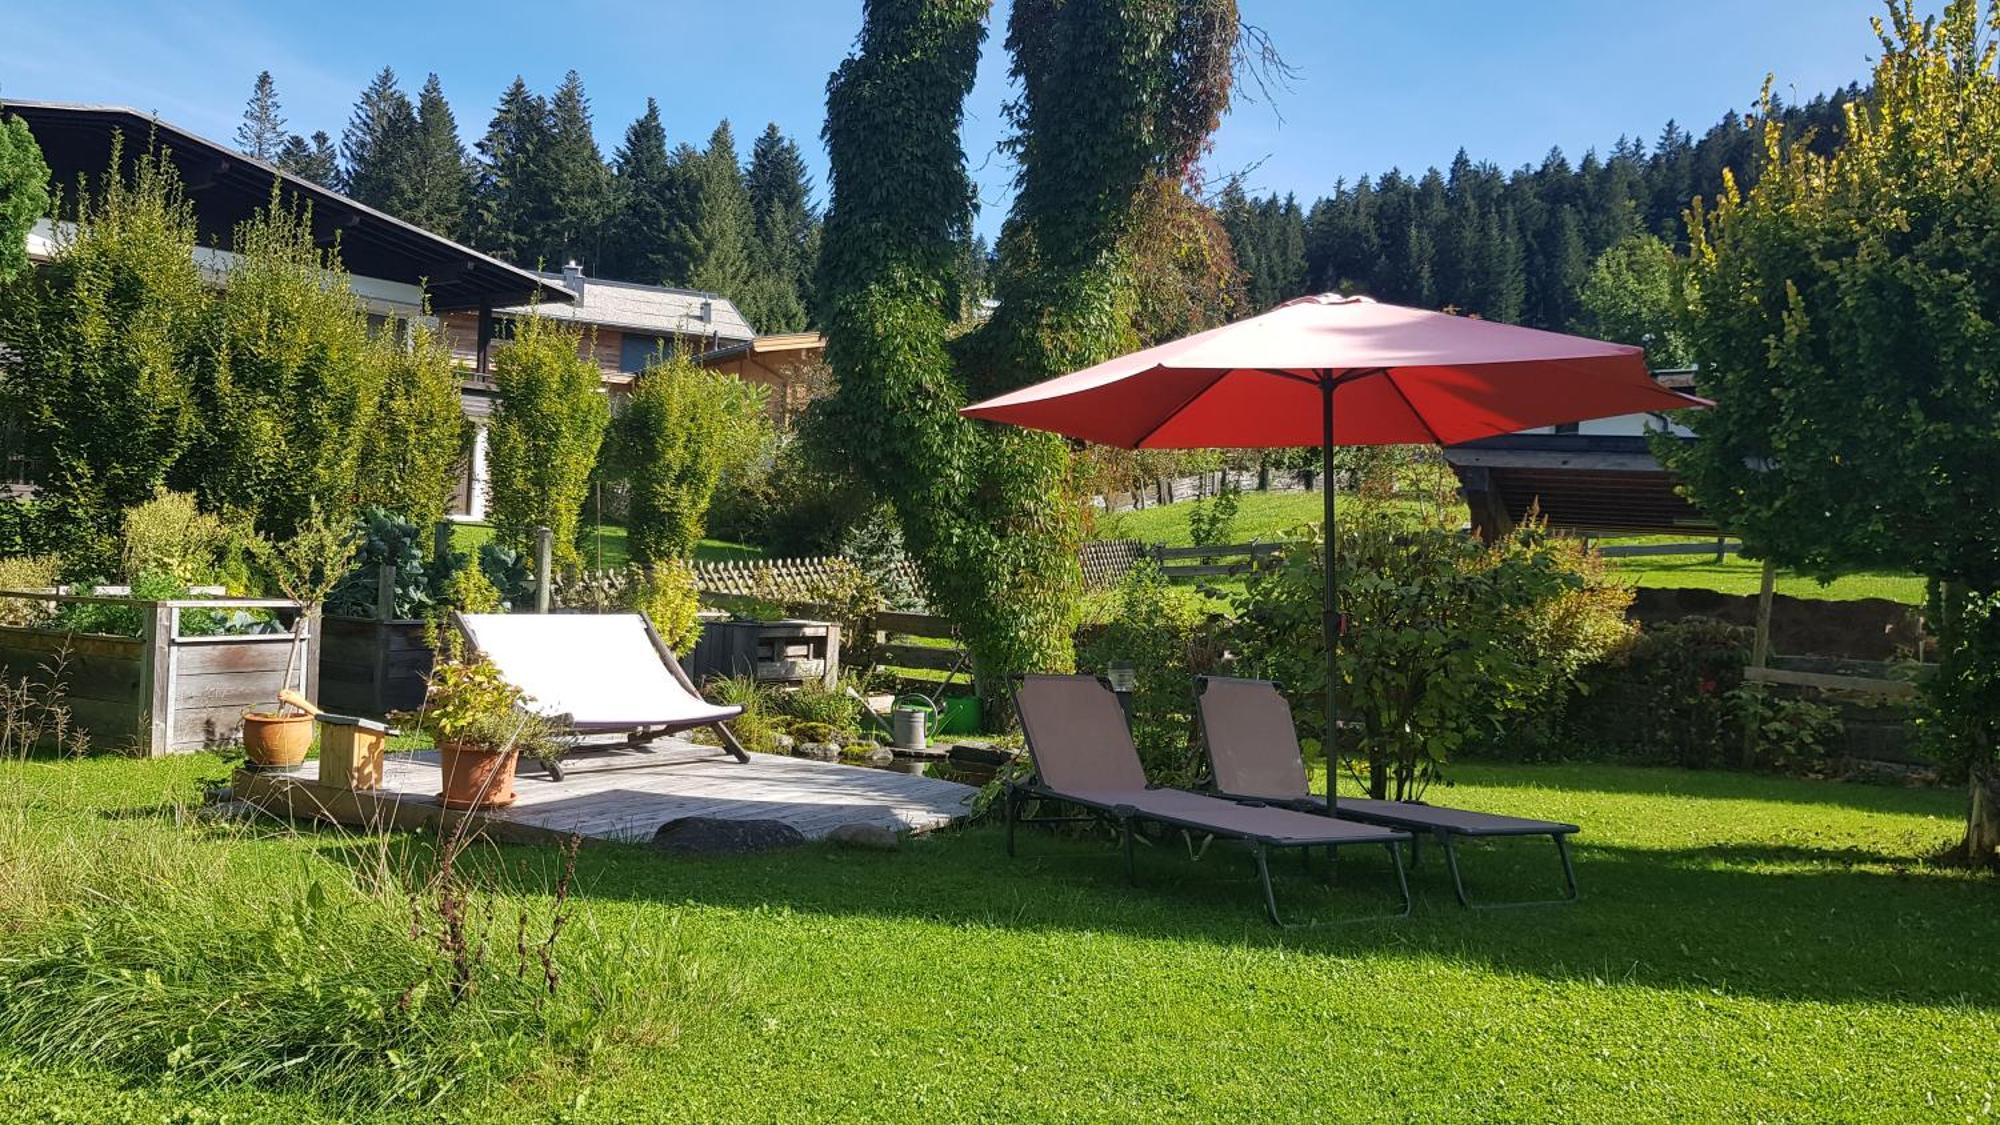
(790, 366)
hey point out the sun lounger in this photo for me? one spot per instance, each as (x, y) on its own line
(1083, 755)
(1253, 751)
(599, 673)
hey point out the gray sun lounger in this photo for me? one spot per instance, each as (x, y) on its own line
(1083, 755)
(1253, 751)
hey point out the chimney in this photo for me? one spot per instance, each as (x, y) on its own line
(707, 311)
(573, 278)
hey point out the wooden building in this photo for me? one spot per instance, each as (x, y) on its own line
(792, 365)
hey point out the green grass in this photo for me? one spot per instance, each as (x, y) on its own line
(469, 536)
(1747, 948)
(1267, 515)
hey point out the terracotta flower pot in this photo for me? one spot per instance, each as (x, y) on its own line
(276, 740)
(476, 778)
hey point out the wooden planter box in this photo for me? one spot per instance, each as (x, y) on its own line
(773, 652)
(161, 693)
(369, 667)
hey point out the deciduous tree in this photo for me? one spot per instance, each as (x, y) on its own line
(544, 437)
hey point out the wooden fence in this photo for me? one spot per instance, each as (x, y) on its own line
(1198, 486)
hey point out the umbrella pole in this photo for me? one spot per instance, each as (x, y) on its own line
(1329, 616)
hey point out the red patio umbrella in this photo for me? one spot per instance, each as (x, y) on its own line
(1333, 370)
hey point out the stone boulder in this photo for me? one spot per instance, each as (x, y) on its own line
(712, 835)
(817, 751)
(862, 835)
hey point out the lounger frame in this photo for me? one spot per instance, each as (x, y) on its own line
(1414, 822)
(637, 737)
(1124, 818)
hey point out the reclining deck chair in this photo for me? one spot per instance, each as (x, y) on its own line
(599, 673)
(1083, 755)
(1253, 751)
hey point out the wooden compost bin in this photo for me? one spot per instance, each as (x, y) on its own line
(160, 693)
(370, 667)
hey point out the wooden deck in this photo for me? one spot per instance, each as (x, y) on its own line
(627, 795)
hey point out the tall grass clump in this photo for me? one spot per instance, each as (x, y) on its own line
(206, 953)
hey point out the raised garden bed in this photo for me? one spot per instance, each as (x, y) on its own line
(370, 667)
(159, 692)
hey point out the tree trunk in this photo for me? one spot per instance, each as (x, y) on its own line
(1981, 846)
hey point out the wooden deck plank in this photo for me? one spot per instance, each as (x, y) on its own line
(628, 794)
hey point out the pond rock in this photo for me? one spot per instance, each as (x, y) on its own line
(864, 836)
(783, 743)
(712, 835)
(817, 751)
(872, 755)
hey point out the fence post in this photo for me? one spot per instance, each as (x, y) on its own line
(545, 542)
(385, 592)
(441, 539)
(1720, 543)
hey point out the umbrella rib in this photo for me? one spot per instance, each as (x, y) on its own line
(1175, 412)
(1389, 375)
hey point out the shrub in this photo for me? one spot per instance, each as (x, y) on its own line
(543, 440)
(814, 704)
(755, 728)
(28, 572)
(1791, 735)
(665, 592)
(288, 379)
(682, 427)
(168, 535)
(1447, 638)
(99, 342)
(794, 500)
(24, 193)
(1666, 694)
(412, 454)
(875, 546)
(1163, 631)
(1211, 519)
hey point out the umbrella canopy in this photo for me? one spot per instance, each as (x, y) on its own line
(1333, 370)
(1399, 376)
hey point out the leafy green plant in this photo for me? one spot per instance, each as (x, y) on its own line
(1666, 694)
(468, 703)
(1212, 518)
(306, 567)
(814, 704)
(681, 429)
(24, 193)
(385, 539)
(509, 573)
(1447, 638)
(1794, 736)
(28, 572)
(757, 728)
(1165, 633)
(543, 439)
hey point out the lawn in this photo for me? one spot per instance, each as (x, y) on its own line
(1747, 948)
(1268, 515)
(604, 545)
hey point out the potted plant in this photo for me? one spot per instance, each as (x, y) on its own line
(481, 727)
(306, 568)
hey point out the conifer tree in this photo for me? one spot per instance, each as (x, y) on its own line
(376, 140)
(508, 208)
(262, 133)
(434, 183)
(574, 184)
(716, 228)
(315, 160)
(785, 225)
(642, 192)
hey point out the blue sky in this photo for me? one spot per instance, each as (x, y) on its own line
(1379, 84)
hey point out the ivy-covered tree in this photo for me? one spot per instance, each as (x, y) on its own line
(639, 248)
(262, 133)
(543, 440)
(24, 193)
(1113, 95)
(1846, 311)
(99, 342)
(316, 160)
(411, 456)
(680, 430)
(1629, 296)
(375, 145)
(287, 379)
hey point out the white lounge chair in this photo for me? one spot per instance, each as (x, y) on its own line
(599, 673)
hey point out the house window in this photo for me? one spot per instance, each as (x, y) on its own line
(1567, 427)
(637, 351)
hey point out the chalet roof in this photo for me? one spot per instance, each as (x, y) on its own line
(657, 309)
(227, 187)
